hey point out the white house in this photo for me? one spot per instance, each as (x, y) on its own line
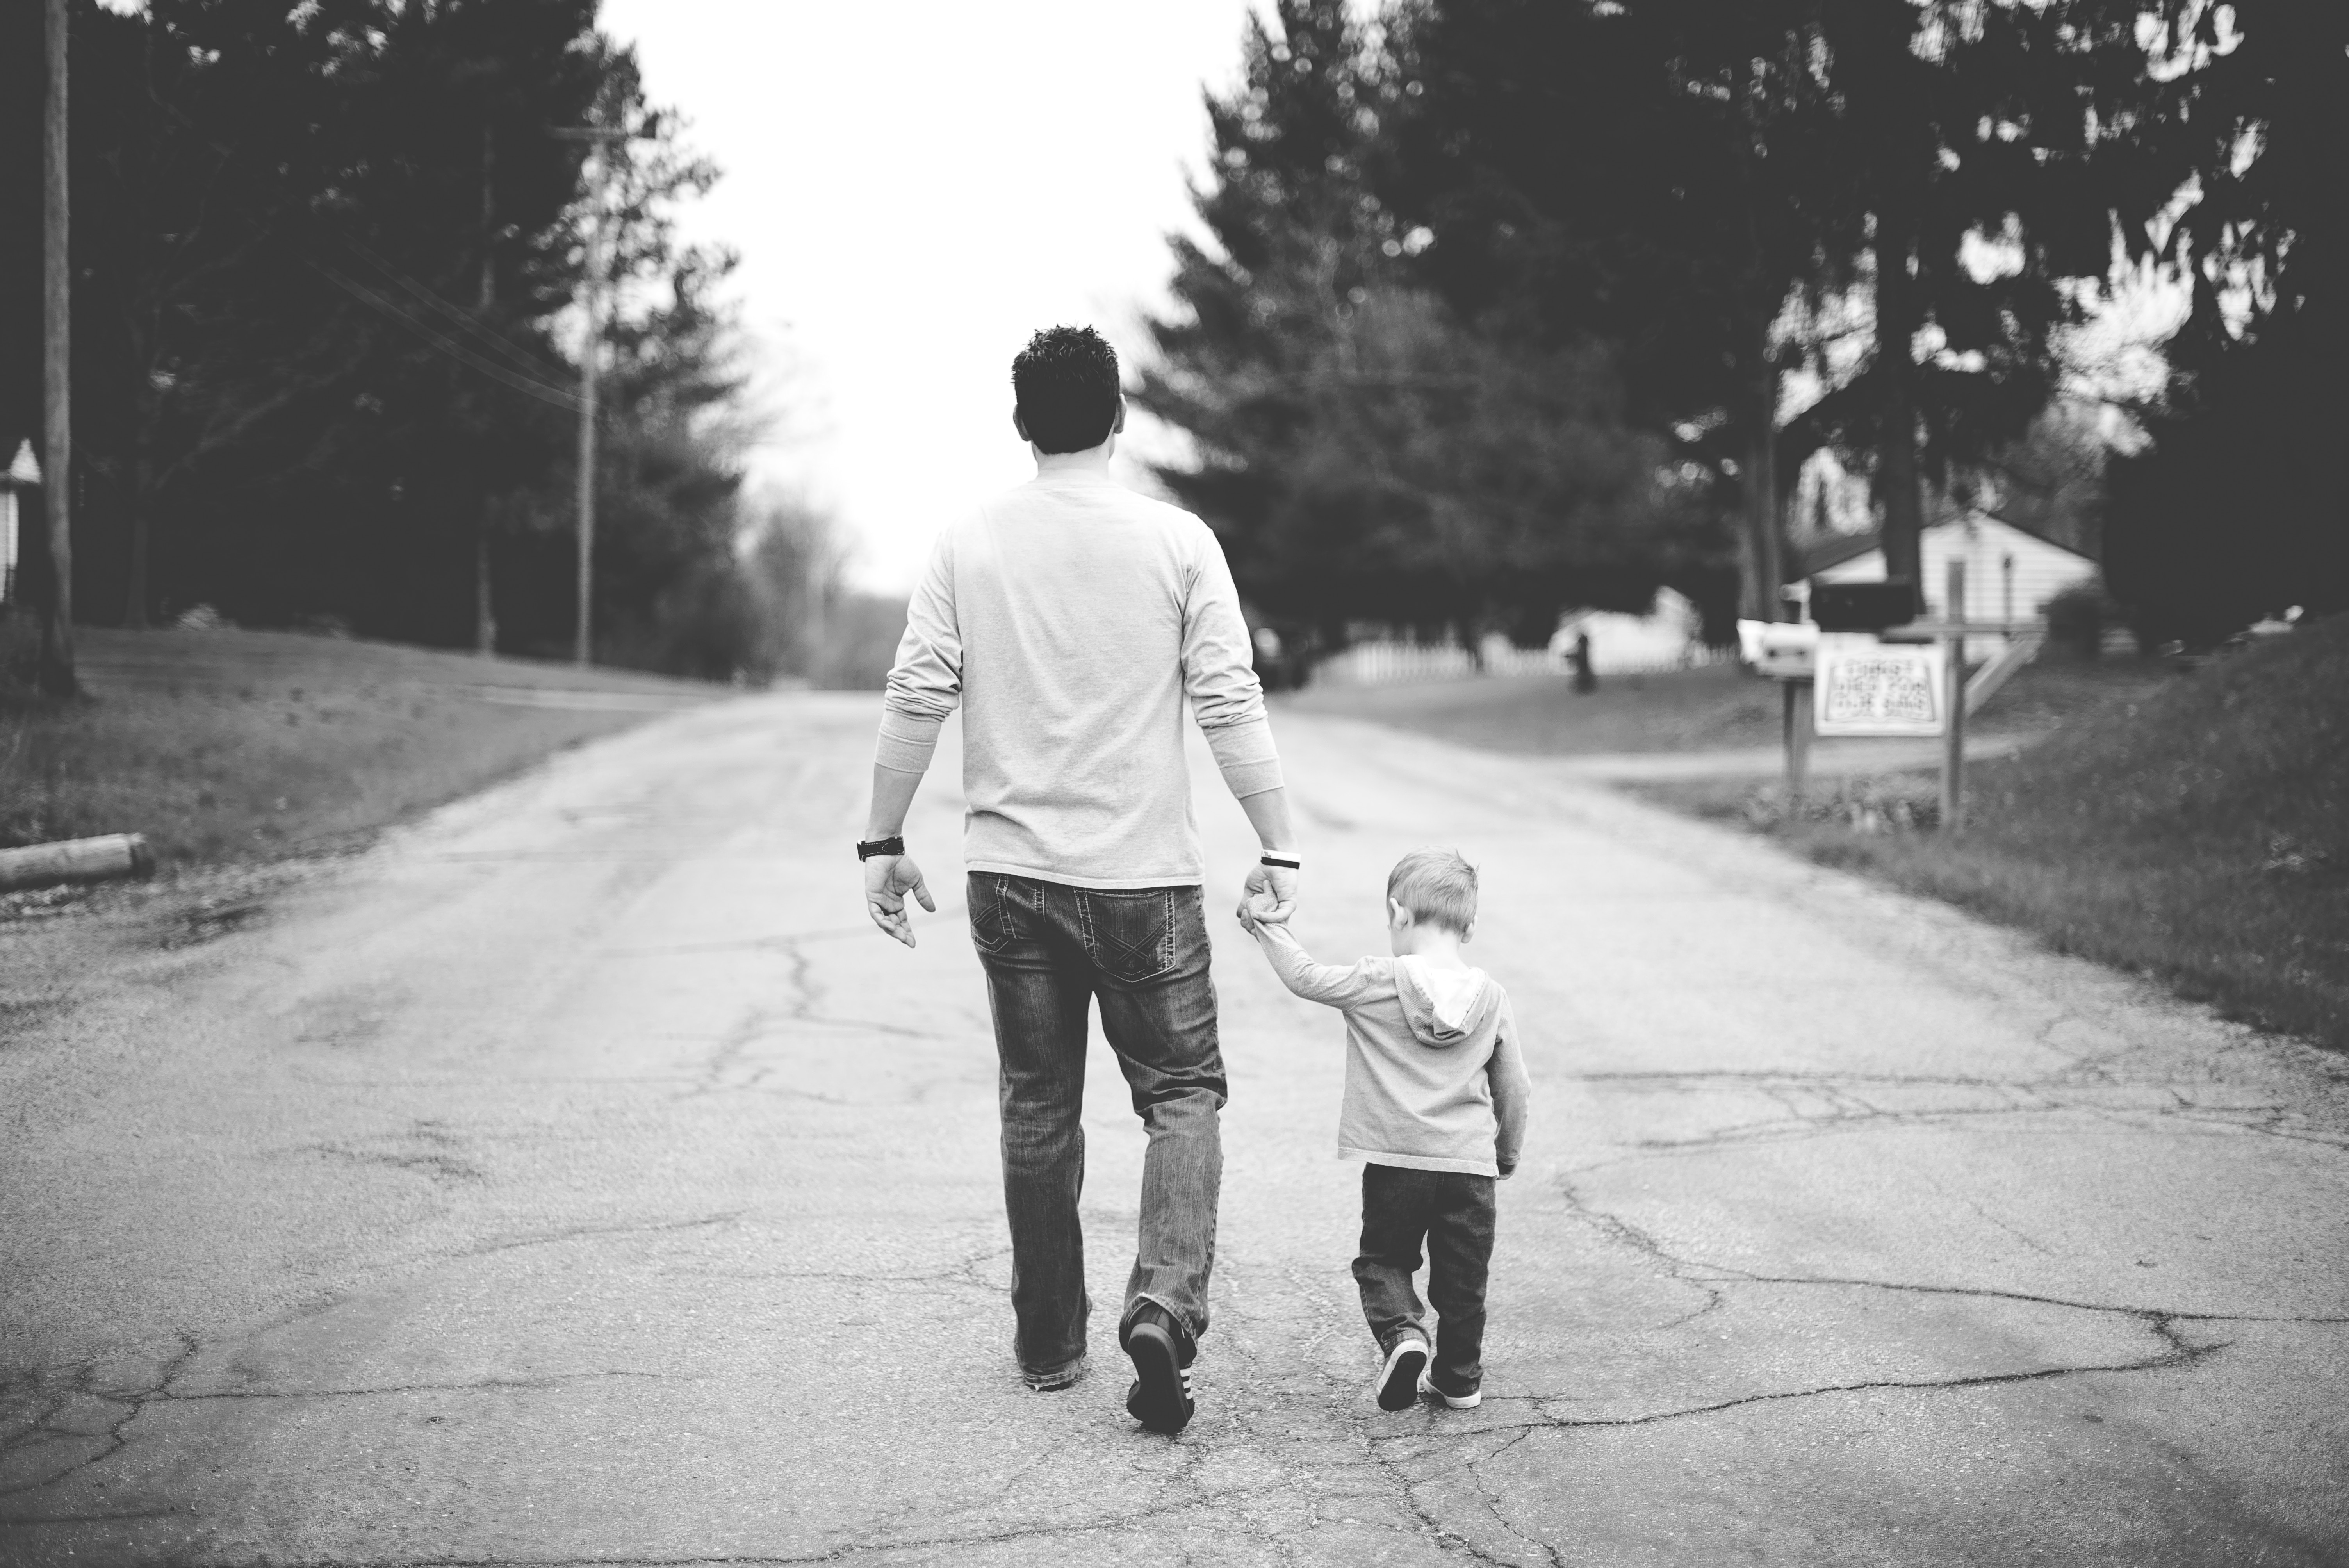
(2010, 574)
(1670, 635)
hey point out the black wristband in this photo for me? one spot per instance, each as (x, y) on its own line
(868, 848)
(1281, 860)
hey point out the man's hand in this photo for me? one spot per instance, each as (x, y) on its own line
(1273, 885)
(887, 880)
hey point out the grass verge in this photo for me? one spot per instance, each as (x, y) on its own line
(2197, 833)
(224, 746)
(1715, 708)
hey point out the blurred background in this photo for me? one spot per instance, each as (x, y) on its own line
(1454, 318)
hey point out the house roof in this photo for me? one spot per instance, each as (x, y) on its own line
(1835, 549)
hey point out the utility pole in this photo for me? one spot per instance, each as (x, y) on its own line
(57, 362)
(485, 620)
(588, 355)
(597, 139)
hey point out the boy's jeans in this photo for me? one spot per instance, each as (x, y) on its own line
(1453, 1212)
(1049, 950)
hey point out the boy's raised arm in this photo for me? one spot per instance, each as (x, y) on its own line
(1334, 984)
(1512, 1090)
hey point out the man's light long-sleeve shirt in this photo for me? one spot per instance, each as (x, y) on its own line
(1070, 618)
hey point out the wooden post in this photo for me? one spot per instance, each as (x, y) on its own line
(485, 620)
(579, 655)
(580, 651)
(1953, 704)
(57, 362)
(597, 139)
(1799, 698)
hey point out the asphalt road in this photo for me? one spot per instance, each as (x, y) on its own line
(576, 1177)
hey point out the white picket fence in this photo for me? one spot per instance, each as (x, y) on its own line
(1392, 663)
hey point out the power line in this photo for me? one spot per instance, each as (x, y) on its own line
(543, 391)
(468, 321)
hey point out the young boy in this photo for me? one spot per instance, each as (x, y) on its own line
(1434, 1108)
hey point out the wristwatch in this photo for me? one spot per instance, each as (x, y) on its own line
(868, 848)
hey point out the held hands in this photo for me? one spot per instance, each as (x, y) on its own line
(887, 880)
(1252, 910)
(1268, 897)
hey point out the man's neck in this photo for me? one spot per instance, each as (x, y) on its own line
(1094, 459)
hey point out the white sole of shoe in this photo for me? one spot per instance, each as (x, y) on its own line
(1400, 1374)
(1467, 1402)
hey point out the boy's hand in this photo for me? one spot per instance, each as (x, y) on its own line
(1272, 891)
(1253, 911)
(887, 880)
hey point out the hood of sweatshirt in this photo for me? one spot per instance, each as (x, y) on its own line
(1444, 1006)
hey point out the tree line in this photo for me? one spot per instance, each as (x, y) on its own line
(326, 262)
(1512, 305)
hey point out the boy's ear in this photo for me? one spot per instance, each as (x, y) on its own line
(1395, 911)
(1470, 934)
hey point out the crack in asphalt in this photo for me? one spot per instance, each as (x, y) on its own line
(484, 1385)
(436, 1160)
(44, 1425)
(580, 1232)
(804, 996)
(41, 1429)
(1845, 1110)
(2179, 1354)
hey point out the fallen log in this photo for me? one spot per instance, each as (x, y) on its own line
(101, 859)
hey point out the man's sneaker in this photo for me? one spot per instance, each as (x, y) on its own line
(1397, 1378)
(1467, 1401)
(1161, 1395)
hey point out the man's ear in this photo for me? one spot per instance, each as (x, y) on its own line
(1118, 429)
(1021, 425)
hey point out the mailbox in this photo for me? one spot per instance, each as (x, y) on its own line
(1783, 650)
(1863, 606)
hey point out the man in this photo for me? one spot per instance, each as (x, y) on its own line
(1070, 618)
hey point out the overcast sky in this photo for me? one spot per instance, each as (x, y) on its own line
(914, 188)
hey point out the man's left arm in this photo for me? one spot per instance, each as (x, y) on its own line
(1227, 702)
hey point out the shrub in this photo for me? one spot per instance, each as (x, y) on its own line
(2077, 616)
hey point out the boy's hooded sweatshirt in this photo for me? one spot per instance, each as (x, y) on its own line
(1435, 1075)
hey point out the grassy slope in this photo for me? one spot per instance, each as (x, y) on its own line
(240, 746)
(1686, 710)
(2198, 834)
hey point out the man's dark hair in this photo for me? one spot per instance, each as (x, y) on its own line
(1065, 382)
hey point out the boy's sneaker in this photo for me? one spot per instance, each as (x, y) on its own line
(1400, 1372)
(1161, 1395)
(1467, 1401)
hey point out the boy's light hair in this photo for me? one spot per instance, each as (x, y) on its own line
(1437, 886)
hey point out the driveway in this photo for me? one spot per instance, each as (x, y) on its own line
(577, 1178)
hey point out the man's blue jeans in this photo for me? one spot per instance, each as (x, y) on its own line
(1049, 951)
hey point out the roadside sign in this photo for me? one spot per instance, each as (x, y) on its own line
(1871, 687)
